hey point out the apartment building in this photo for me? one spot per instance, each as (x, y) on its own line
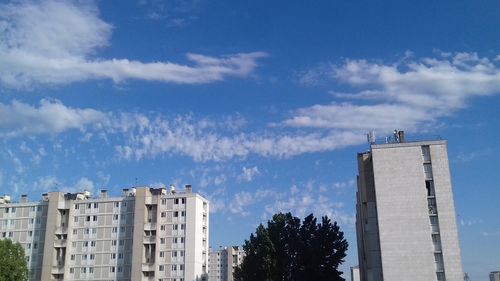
(223, 261)
(406, 224)
(495, 276)
(145, 234)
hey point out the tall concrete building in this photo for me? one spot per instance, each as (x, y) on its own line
(222, 262)
(495, 276)
(146, 234)
(355, 273)
(406, 224)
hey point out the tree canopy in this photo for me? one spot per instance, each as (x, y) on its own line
(290, 250)
(13, 266)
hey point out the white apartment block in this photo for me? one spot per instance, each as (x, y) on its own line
(146, 234)
(222, 262)
(495, 276)
(406, 224)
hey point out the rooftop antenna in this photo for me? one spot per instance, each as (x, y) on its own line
(370, 137)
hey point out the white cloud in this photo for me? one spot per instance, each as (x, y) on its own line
(46, 183)
(248, 174)
(54, 42)
(185, 137)
(240, 202)
(51, 183)
(50, 117)
(301, 202)
(409, 94)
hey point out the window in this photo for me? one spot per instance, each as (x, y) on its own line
(162, 240)
(182, 239)
(115, 217)
(30, 233)
(76, 219)
(183, 226)
(77, 206)
(429, 185)
(112, 269)
(113, 256)
(94, 230)
(89, 205)
(113, 243)
(74, 231)
(72, 257)
(426, 153)
(31, 221)
(164, 201)
(92, 257)
(120, 269)
(122, 242)
(163, 214)
(114, 230)
(174, 254)
(94, 218)
(181, 267)
(162, 227)
(176, 201)
(174, 267)
(85, 243)
(87, 231)
(35, 245)
(91, 270)
(83, 270)
(71, 270)
(162, 254)
(174, 240)
(183, 214)
(92, 244)
(175, 227)
(120, 256)
(428, 170)
(161, 268)
(176, 214)
(183, 201)
(87, 218)
(95, 205)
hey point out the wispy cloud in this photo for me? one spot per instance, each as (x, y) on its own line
(50, 117)
(141, 136)
(248, 174)
(54, 42)
(408, 94)
(51, 183)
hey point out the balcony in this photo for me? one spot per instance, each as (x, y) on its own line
(149, 239)
(148, 266)
(58, 269)
(60, 243)
(150, 226)
(61, 230)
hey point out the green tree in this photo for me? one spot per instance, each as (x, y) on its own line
(13, 266)
(290, 250)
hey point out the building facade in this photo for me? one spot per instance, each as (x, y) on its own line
(406, 224)
(146, 234)
(495, 276)
(355, 273)
(223, 262)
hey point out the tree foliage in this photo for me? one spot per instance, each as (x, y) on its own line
(13, 266)
(290, 250)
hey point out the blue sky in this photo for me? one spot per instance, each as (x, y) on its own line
(261, 105)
